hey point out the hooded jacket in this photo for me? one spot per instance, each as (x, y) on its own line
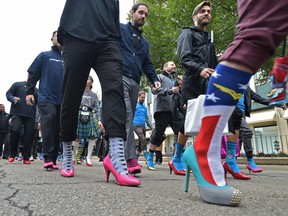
(195, 53)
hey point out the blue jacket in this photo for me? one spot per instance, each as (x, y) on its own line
(48, 68)
(141, 116)
(135, 61)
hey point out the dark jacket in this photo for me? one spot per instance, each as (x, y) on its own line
(195, 53)
(90, 21)
(163, 101)
(4, 122)
(250, 95)
(135, 61)
(18, 89)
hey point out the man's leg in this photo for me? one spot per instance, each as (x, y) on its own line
(15, 132)
(131, 89)
(48, 120)
(162, 119)
(29, 134)
(242, 59)
(77, 66)
(246, 134)
(108, 69)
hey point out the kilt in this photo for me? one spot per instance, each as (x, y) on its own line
(87, 130)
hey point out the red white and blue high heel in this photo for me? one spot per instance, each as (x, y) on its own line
(121, 179)
(220, 195)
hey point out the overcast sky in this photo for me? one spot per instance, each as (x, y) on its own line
(26, 27)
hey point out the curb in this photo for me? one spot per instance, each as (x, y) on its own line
(242, 160)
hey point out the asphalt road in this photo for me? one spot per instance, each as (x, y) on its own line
(30, 190)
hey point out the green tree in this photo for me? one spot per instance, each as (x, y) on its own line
(167, 17)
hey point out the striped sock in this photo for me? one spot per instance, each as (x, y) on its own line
(225, 88)
(116, 153)
(67, 163)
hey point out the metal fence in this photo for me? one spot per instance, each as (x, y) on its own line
(269, 144)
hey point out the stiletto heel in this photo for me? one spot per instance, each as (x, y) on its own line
(107, 174)
(187, 179)
(121, 179)
(221, 195)
(177, 172)
(235, 175)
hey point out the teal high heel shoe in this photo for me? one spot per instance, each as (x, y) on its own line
(220, 195)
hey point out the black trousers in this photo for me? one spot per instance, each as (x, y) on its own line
(4, 139)
(159, 157)
(50, 117)
(162, 120)
(17, 124)
(105, 58)
(141, 133)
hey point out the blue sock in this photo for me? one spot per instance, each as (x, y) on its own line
(252, 163)
(146, 155)
(151, 155)
(178, 152)
(231, 156)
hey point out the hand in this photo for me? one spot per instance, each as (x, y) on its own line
(175, 89)
(30, 100)
(184, 107)
(206, 73)
(156, 85)
(16, 100)
(100, 125)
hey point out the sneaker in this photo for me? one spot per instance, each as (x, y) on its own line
(59, 158)
(31, 158)
(133, 166)
(20, 157)
(41, 156)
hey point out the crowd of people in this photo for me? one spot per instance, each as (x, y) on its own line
(71, 117)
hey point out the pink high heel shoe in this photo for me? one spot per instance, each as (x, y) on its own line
(55, 166)
(48, 165)
(121, 179)
(254, 170)
(67, 173)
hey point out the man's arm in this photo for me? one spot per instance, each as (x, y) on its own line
(10, 94)
(148, 122)
(256, 97)
(30, 93)
(185, 51)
